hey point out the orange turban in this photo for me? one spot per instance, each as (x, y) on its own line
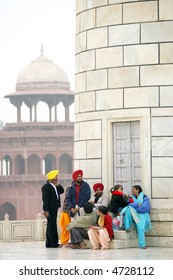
(98, 186)
(52, 174)
(76, 173)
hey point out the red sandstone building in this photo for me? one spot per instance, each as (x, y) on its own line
(28, 150)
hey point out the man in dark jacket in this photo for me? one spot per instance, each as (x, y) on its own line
(51, 191)
(78, 194)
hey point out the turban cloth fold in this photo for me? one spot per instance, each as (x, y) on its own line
(52, 174)
(98, 186)
(76, 173)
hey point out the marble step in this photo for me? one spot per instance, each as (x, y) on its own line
(122, 239)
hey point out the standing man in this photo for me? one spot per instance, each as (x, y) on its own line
(78, 194)
(51, 191)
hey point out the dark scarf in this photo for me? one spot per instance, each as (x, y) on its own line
(97, 196)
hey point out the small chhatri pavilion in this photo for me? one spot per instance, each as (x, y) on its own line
(30, 149)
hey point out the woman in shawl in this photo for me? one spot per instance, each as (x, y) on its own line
(102, 234)
(138, 213)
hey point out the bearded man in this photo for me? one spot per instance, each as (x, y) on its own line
(78, 194)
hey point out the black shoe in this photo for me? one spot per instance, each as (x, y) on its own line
(55, 246)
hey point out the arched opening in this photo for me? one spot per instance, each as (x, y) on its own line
(34, 165)
(49, 163)
(19, 165)
(9, 209)
(65, 164)
(42, 112)
(6, 166)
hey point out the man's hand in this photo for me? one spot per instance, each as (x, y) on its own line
(74, 210)
(92, 202)
(46, 214)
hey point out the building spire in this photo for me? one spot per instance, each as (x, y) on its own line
(41, 48)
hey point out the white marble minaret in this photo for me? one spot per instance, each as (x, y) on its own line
(124, 100)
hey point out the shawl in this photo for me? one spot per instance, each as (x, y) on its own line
(143, 218)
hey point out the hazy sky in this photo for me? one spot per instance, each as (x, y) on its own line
(24, 26)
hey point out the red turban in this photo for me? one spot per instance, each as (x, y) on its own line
(76, 173)
(98, 185)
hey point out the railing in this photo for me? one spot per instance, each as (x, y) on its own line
(161, 234)
(23, 230)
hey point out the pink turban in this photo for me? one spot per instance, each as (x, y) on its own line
(76, 173)
(98, 186)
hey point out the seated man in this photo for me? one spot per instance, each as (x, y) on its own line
(100, 197)
(79, 227)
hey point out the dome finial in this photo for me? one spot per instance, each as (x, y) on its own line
(41, 49)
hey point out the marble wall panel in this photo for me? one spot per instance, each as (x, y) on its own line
(165, 9)
(124, 34)
(123, 77)
(87, 20)
(95, 3)
(80, 150)
(109, 99)
(97, 79)
(162, 126)
(97, 38)
(81, 82)
(162, 111)
(109, 57)
(22, 230)
(90, 130)
(81, 5)
(157, 32)
(166, 96)
(141, 54)
(140, 12)
(166, 52)
(81, 42)
(109, 15)
(162, 146)
(94, 149)
(87, 61)
(156, 75)
(141, 97)
(77, 131)
(87, 101)
(91, 168)
(159, 190)
(162, 167)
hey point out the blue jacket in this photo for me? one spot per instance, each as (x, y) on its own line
(84, 195)
(144, 208)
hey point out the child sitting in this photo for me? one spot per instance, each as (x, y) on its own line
(118, 201)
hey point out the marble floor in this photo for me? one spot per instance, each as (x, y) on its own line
(37, 251)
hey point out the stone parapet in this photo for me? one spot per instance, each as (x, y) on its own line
(23, 230)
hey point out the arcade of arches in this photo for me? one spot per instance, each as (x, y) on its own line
(34, 164)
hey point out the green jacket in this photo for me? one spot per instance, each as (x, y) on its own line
(89, 219)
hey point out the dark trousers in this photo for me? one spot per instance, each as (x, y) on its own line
(51, 231)
(77, 235)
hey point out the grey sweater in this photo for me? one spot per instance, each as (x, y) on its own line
(89, 219)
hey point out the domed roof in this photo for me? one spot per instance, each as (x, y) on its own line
(42, 70)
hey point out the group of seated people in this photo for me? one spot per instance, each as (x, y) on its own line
(102, 214)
